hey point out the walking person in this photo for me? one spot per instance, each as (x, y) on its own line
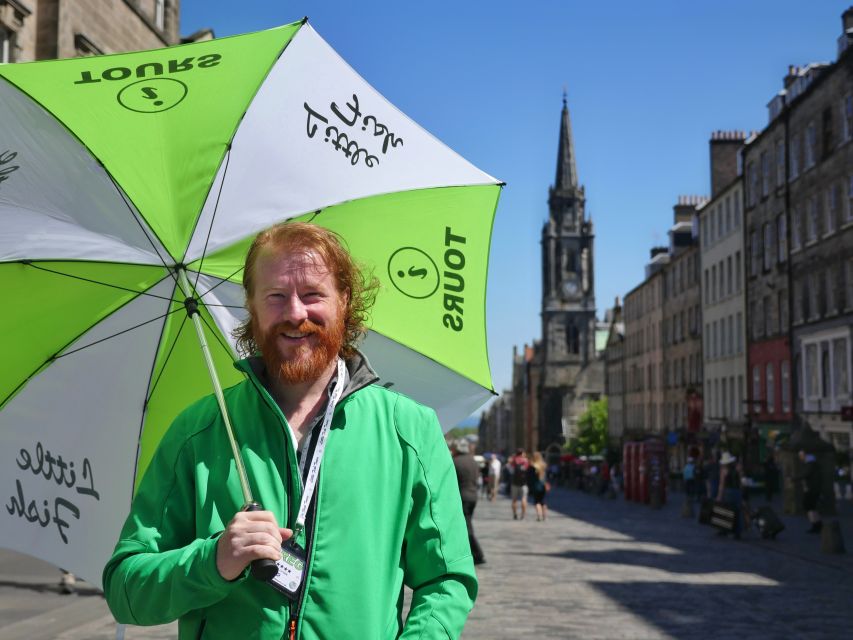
(810, 476)
(539, 485)
(381, 512)
(494, 476)
(467, 472)
(771, 476)
(518, 466)
(689, 475)
(729, 490)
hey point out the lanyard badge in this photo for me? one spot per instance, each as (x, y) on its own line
(293, 563)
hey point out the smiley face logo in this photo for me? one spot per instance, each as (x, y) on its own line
(152, 96)
(413, 273)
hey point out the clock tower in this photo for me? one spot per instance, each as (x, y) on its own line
(568, 292)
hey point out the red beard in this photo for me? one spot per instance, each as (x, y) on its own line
(309, 362)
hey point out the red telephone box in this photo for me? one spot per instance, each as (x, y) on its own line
(653, 470)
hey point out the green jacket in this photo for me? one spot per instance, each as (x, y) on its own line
(387, 513)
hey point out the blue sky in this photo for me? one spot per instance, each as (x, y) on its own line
(647, 84)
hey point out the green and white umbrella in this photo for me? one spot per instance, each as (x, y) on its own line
(131, 182)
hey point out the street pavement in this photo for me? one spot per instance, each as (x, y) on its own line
(598, 568)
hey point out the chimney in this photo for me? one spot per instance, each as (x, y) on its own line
(847, 20)
(791, 76)
(656, 251)
(724, 149)
(686, 207)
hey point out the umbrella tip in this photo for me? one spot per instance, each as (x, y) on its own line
(304, 19)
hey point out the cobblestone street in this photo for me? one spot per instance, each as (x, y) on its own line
(597, 568)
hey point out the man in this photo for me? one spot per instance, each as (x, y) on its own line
(810, 477)
(519, 464)
(384, 511)
(467, 471)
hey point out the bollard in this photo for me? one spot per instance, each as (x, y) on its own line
(830, 537)
(687, 508)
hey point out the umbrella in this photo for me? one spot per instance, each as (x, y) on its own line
(130, 188)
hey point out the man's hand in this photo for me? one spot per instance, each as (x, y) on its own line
(251, 535)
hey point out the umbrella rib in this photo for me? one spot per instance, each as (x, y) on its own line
(222, 281)
(141, 226)
(212, 218)
(165, 362)
(123, 331)
(29, 263)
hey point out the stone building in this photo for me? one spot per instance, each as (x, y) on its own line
(526, 377)
(44, 29)
(723, 294)
(495, 425)
(817, 113)
(568, 347)
(681, 331)
(614, 376)
(643, 352)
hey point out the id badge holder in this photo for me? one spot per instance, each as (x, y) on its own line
(291, 570)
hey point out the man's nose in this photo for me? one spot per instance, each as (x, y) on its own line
(294, 310)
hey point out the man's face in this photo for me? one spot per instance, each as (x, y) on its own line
(297, 314)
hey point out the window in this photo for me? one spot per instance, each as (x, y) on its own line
(811, 147)
(756, 389)
(797, 224)
(811, 372)
(785, 376)
(705, 231)
(830, 291)
(849, 283)
(826, 137)
(769, 237)
(765, 174)
(728, 205)
(811, 219)
(160, 13)
(737, 210)
(824, 370)
(840, 368)
(739, 330)
(850, 199)
(770, 396)
(7, 45)
(714, 342)
(782, 307)
(737, 271)
(833, 196)
(767, 304)
(847, 117)
(713, 283)
(724, 399)
(794, 160)
(782, 238)
(758, 320)
(780, 162)
(755, 252)
(730, 343)
(751, 184)
(729, 278)
(707, 287)
(722, 280)
(722, 337)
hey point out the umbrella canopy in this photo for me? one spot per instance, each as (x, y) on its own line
(131, 187)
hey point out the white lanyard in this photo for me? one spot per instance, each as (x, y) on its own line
(314, 469)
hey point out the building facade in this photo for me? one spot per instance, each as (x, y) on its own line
(818, 112)
(614, 377)
(643, 317)
(723, 293)
(45, 29)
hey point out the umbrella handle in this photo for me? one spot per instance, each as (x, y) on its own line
(263, 569)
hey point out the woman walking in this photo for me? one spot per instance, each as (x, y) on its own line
(539, 486)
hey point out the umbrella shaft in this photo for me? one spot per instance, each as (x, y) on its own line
(217, 388)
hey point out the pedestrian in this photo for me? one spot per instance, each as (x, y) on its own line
(67, 583)
(494, 476)
(466, 474)
(810, 477)
(771, 476)
(539, 485)
(483, 479)
(385, 511)
(729, 490)
(711, 471)
(518, 465)
(689, 475)
(842, 480)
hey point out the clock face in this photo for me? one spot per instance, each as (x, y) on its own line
(570, 287)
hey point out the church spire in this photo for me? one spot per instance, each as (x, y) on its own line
(567, 173)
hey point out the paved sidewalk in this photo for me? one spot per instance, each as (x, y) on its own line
(596, 569)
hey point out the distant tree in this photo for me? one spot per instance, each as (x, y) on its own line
(460, 432)
(591, 438)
